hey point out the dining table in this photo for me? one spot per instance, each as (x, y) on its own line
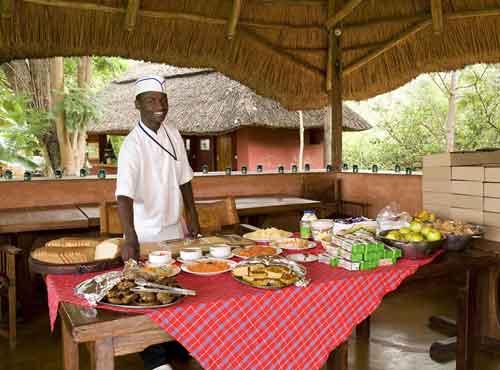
(228, 325)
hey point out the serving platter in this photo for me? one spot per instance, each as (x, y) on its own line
(256, 235)
(237, 252)
(293, 244)
(231, 265)
(145, 307)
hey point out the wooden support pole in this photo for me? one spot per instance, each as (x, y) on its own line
(131, 14)
(6, 8)
(348, 8)
(437, 16)
(233, 20)
(331, 37)
(336, 105)
(333, 127)
(387, 46)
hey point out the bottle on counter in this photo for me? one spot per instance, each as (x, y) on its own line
(306, 224)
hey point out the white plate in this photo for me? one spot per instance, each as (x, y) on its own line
(231, 264)
(205, 256)
(281, 244)
(208, 255)
(238, 250)
(301, 257)
(268, 240)
(175, 270)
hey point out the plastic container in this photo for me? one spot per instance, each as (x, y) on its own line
(306, 224)
(322, 230)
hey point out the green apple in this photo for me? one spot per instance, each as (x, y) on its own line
(404, 230)
(415, 237)
(433, 235)
(415, 226)
(425, 230)
(393, 235)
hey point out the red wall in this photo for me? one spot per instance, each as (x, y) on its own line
(274, 147)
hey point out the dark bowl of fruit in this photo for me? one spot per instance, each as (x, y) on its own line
(413, 245)
(459, 235)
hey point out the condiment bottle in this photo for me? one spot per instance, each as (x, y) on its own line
(305, 224)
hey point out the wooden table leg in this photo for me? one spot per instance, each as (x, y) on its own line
(467, 323)
(70, 348)
(363, 329)
(338, 358)
(103, 356)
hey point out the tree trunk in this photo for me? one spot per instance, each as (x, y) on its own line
(57, 84)
(301, 148)
(31, 78)
(84, 79)
(452, 112)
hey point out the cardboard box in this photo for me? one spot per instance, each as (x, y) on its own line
(491, 204)
(436, 173)
(467, 201)
(442, 199)
(440, 211)
(492, 174)
(492, 189)
(467, 188)
(467, 215)
(476, 158)
(439, 186)
(468, 173)
(492, 233)
(491, 219)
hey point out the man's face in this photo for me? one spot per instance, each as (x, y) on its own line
(153, 106)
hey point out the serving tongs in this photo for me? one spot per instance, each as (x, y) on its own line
(147, 286)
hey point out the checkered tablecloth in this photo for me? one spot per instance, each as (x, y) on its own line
(232, 326)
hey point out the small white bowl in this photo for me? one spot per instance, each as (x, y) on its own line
(220, 251)
(190, 254)
(160, 257)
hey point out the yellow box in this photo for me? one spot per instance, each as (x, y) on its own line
(467, 187)
(467, 201)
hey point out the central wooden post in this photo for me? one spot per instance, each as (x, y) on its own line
(333, 133)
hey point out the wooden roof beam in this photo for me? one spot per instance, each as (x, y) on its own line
(6, 8)
(233, 21)
(437, 16)
(387, 46)
(259, 39)
(131, 14)
(342, 13)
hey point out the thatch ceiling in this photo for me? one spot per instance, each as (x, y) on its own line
(204, 102)
(279, 48)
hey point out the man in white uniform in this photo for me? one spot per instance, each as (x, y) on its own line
(153, 184)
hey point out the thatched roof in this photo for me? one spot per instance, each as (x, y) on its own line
(204, 102)
(280, 47)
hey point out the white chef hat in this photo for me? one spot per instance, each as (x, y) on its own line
(149, 83)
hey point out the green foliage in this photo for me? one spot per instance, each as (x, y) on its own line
(22, 126)
(412, 121)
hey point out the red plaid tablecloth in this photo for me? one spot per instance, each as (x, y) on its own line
(232, 326)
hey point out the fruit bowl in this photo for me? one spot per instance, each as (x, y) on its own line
(413, 250)
(458, 242)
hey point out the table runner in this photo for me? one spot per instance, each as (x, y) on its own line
(229, 325)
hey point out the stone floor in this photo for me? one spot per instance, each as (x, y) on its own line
(400, 338)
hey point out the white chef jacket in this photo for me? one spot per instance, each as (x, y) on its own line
(151, 177)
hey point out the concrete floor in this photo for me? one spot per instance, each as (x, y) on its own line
(400, 338)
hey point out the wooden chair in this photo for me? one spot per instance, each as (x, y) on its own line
(217, 215)
(8, 290)
(213, 216)
(334, 206)
(109, 219)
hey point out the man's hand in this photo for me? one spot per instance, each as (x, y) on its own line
(130, 249)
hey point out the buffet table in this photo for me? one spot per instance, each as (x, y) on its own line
(229, 325)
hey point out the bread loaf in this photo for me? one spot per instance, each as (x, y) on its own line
(73, 242)
(64, 255)
(108, 249)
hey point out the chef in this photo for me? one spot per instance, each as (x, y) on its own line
(153, 184)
